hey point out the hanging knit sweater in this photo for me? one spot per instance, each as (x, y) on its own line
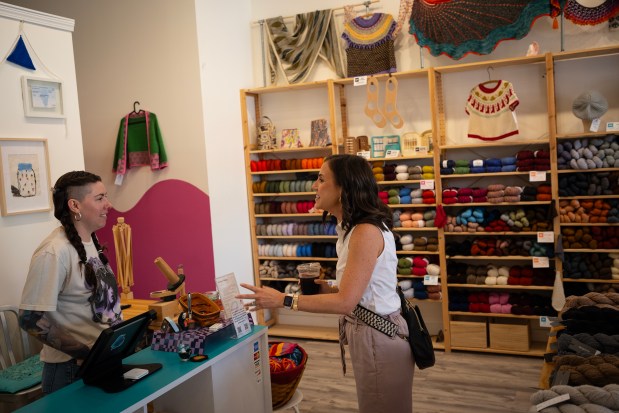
(490, 109)
(139, 143)
(369, 45)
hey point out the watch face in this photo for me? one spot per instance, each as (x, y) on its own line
(288, 301)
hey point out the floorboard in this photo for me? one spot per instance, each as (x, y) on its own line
(460, 382)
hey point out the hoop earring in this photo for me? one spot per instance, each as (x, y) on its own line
(78, 216)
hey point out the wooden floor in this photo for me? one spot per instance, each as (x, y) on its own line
(460, 382)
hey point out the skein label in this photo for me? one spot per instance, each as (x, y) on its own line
(430, 280)
(545, 236)
(612, 126)
(540, 262)
(537, 176)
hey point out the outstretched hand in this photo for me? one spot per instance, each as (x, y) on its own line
(263, 297)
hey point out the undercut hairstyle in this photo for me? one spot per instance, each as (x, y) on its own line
(359, 198)
(74, 185)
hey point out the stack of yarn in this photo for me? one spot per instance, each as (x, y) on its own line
(414, 218)
(589, 153)
(282, 186)
(589, 184)
(418, 266)
(292, 207)
(587, 347)
(490, 274)
(589, 211)
(417, 289)
(296, 228)
(422, 243)
(595, 266)
(314, 249)
(532, 161)
(585, 398)
(505, 303)
(491, 246)
(408, 196)
(590, 237)
(401, 172)
(285, 164)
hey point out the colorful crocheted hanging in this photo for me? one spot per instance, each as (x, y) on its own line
(587, 12)
(458, 27)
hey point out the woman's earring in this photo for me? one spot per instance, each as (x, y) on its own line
(78, 216)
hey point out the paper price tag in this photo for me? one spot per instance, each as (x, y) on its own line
(392, 153)
(233, 307)
(540, 262)
(119, 179)
(364, 154)
(553, 401)
(537, 176)
(421, 150)
(360, 81)
(426, 184)
(595, 125)
(545, 236)
(430, 280)
(545, 321)
(612, 126)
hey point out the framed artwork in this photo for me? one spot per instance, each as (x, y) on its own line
(42, 97)
(24, 172)
(320, 133)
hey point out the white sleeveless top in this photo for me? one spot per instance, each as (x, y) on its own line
(380, 295)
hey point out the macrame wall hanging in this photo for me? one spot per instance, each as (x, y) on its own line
(458, 27)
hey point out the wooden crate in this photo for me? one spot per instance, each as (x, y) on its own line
(469, 334)
(510, 335)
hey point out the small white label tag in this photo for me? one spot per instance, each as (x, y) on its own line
(119, 179)
(595, 125)
(540, 262)
(360, 81)
(430, 280)
(392, 153)
(545, 321)
(537, 176)
(364, 154)
(426, 184)
(545, 236)
(421, 150)
(612, 126)
(552, 402)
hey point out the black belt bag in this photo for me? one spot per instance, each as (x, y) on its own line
(376, 321)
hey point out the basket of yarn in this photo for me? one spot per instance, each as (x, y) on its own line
(287, 363)
(203, 309)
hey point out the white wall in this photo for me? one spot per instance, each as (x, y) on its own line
(20, 234)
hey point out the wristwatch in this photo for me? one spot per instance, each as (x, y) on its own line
(288, 300)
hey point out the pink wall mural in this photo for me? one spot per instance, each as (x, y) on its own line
(172, 221)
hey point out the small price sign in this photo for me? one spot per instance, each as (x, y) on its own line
(360, 81)
(364, 154)
(537, 176)
(545, 236)
(430, 280)
(426, 184)
(541, 262)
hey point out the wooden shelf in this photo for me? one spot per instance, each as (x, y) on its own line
(593, 170)
(497, 144)
(536, 350)
(561, 198)
(493, 257)
(489, 315)
(430, 155)
(306, 332)
(305, 215)
(296, 258)
(587, 53)
(292, 150)
(587, 224)
(411, 205)
(487, 233)
(410, 181)
(276, 194)
(583, 135)
(492, 174)
(612, 251)
(287, 88)
(502, 287)
(497, 204)
(422, 229)
(589, 280)
(417, 252)
(286, 171)
(329, 237)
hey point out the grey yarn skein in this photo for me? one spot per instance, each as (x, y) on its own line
(583, 399)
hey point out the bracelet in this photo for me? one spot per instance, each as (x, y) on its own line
(295, 302)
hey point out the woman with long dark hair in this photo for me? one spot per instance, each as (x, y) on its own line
(70, 294)
(365, 296)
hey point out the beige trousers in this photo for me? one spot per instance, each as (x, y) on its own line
(383, 366)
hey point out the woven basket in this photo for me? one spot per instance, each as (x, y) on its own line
(203, 309)
(284, 383)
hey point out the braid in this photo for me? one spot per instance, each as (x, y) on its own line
(68, 186)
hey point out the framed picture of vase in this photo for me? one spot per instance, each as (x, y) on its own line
(24, 172)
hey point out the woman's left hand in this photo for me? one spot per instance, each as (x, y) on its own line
(263, 297)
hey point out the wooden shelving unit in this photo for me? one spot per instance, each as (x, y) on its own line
(436, 94)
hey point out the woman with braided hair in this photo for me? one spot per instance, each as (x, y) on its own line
(70, 294)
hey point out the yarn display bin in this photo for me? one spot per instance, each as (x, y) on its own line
(285, 383)
(203, 309)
